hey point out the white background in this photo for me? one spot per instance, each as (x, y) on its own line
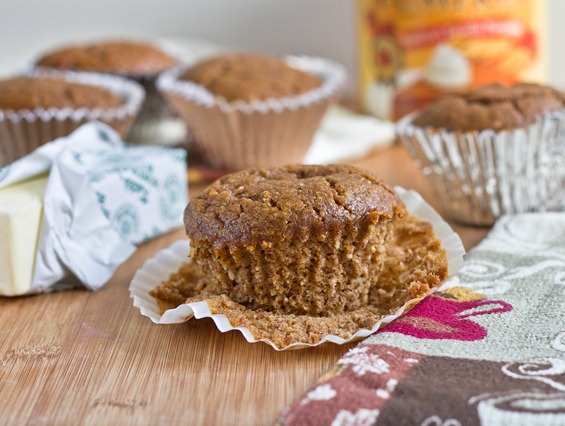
(321, 27)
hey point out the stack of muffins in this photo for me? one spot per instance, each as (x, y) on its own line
(108, 81)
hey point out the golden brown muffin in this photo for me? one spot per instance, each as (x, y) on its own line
(493, 107)
(296, 239)
(248, 77)
(245, 110)
(38, 92)
(297, 253)
(121, 57)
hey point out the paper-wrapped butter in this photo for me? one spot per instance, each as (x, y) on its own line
(21, 209)
(101, 198)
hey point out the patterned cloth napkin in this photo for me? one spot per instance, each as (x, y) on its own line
(488, 349)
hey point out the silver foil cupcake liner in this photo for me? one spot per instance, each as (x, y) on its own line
(480, 176)
(23, 131)
(236, 135)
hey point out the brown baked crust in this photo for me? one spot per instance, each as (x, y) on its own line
(493, 107)
(247, 77)
(260, 207)
(20, 93)
(122, 57)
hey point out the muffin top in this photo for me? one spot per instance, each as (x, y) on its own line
(41, 92)
(248, 77)
(493, 106)
(260, 207)
(111, 57)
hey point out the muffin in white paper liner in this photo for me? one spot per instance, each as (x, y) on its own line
(236, 135)
(481, 175)
(23, 131)
(156, 123)
(169, 260)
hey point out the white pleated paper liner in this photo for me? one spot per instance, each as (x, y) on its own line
(169, 260)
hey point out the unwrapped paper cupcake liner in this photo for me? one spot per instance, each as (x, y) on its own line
(479, 176)
(23, 131)
(236, 135)
(169, 260)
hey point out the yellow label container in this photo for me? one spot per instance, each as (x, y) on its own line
(411, 51)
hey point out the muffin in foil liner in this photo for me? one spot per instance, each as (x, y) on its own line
(481, 175)
(236, 135)
(23, 131)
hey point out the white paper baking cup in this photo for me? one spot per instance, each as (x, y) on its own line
(236, 135)
(479, 176)
(169, 260)
(23, 131)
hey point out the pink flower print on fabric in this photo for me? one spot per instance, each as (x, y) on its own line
(441, 318)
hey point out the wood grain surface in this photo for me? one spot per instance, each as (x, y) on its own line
(89, 358)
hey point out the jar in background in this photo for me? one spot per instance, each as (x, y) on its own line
(411, 51)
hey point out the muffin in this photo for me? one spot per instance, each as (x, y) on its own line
(36, 109)
(494, 107)
(140, 61)
(298, 255)
(247, 110)
(490, 151)
(296, 239)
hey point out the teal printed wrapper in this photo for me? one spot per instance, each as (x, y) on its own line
(142, 190)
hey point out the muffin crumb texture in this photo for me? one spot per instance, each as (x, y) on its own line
(493, 107)
(295, 239)
(21, 93)
(247, 78)
(414, 264)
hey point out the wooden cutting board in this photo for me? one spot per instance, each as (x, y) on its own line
(80, 357)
